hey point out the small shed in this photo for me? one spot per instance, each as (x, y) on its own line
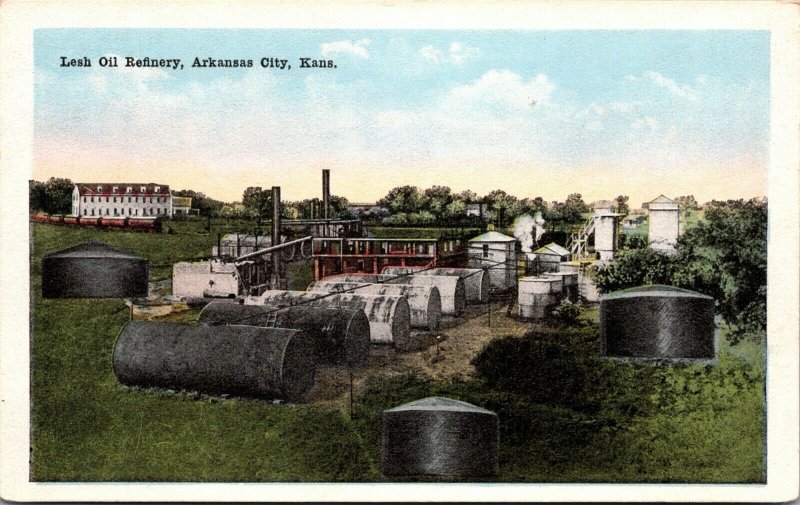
(94, 270)
(550, 256)
(495, 253)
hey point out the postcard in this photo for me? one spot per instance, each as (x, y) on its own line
(537, 251)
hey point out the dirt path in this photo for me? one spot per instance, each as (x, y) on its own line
(461, 339)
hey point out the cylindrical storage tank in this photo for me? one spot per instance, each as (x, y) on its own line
(451, 288)
(389, 316)
(424, 302)
(476, 280)
(94, 270)
(341, 335)
(657, 322)
(439, 437)
(569, 282)
(556, 284)
(268, 363)
(569, 267)
(535, 297)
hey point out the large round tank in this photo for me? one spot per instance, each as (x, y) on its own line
(569, 284)
(439, 437)
(537, 296)
(267, 363)
(657, 322)
(423, 301)
(341, 335)
(389, 316)
(476, 280)
(451, 288)
(94, 270)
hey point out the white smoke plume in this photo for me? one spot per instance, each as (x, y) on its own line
(528, 230)
(539, 224)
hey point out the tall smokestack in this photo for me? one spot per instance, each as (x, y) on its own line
(276, 235)
(326, 192)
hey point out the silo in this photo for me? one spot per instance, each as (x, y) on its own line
(267, 363)
(451, 288)
(389, 316)
(424, 302)
(94, 270)
(537, 296)
(476, 280)
(439, 437)
(341, 335)
(659, 322)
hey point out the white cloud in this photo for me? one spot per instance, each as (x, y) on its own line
(680, 90)
(456, 53)
(357, 48)
(504, 87)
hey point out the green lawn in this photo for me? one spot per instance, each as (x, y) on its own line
(702, 424)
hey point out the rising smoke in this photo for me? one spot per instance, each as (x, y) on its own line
(528, 230)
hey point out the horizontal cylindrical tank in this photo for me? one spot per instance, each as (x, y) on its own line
(94, 270)
(451, 288)
(341, 335)
(537, 296)
(389, 316)
(423, 301)
(439, 437)
(268, 363)
(196, 278)
(657, 322)
(476, 280)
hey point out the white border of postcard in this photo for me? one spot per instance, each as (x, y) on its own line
(18, 20)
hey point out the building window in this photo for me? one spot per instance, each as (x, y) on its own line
(99, 189)
(142, 189)
(92, 199)
(158, 189)
(485, 250)
(84, 199)
(106, 211)
(129, 199)
(92, 212)
(128, 189)
(151, 199)
(84, 212)
(114, 189)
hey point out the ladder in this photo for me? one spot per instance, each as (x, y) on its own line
(272, 319)
(579, 242)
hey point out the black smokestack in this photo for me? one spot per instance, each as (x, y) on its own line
(326, 192)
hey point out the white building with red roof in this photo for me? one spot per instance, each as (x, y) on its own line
(139, 200)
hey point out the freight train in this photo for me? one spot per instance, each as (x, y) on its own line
(124, 223)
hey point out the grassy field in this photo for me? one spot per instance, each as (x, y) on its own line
(696, 424)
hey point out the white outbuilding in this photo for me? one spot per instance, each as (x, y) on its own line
(496, 253)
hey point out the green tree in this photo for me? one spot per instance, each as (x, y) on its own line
(52, 197)
(258, 202)
(622, 204)
(436, 199)
(405, 199)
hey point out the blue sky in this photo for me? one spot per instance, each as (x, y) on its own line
(536, 113)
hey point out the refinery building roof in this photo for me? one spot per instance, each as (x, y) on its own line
(493, 236)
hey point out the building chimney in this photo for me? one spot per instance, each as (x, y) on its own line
(276, 236)
(326, 192)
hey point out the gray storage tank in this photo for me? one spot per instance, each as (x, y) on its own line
(341, 335)
(389, 316)
(424, 302)
(657, 322)
(476, 280)
(94, 270)
(439, 437)
(266, 363)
